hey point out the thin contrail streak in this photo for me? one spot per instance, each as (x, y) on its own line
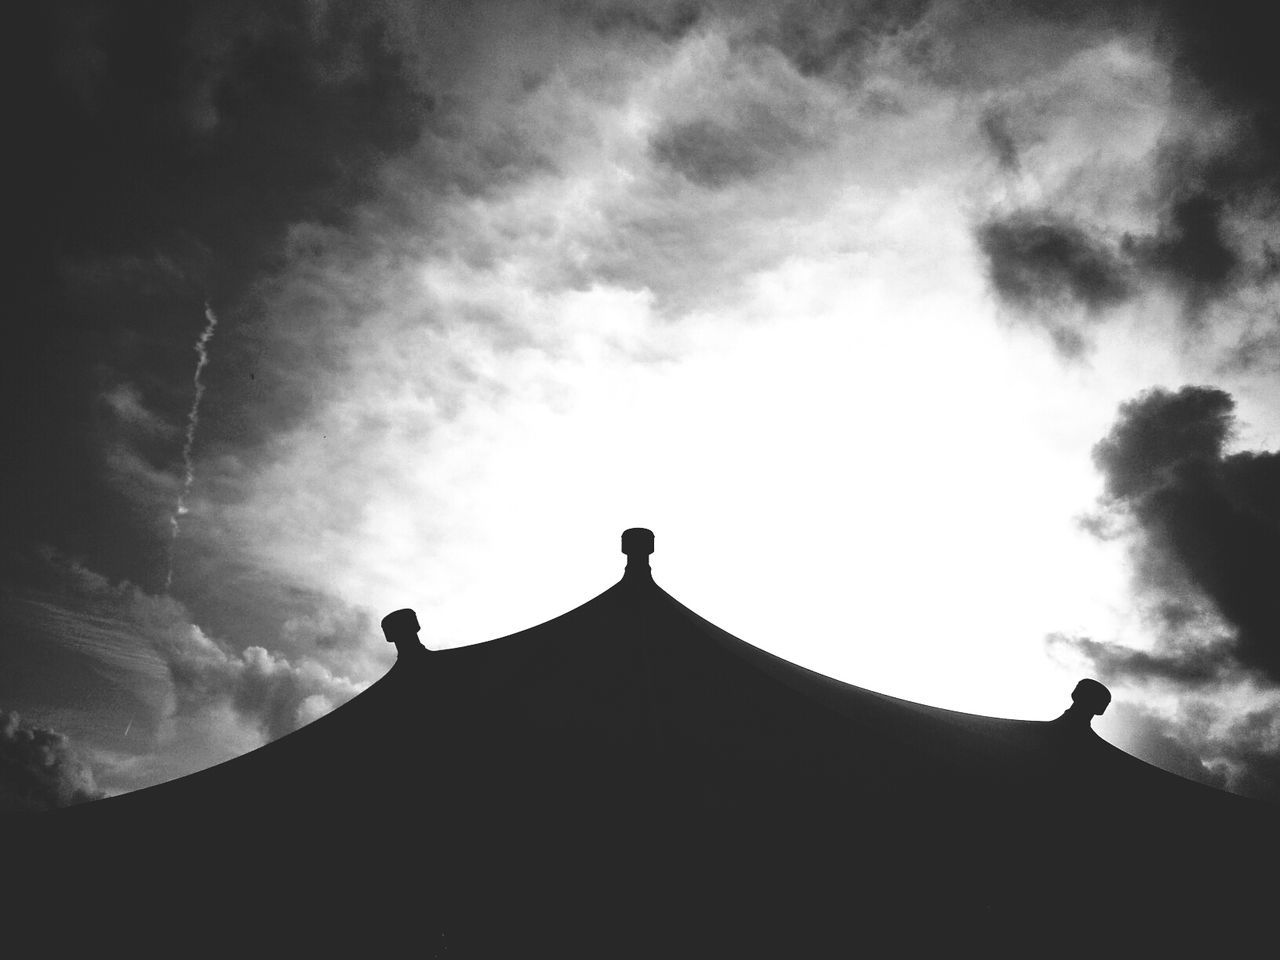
(193, 421)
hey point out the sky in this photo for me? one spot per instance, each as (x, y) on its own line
(937, 342)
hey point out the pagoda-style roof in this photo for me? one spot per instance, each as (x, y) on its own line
(629, 779)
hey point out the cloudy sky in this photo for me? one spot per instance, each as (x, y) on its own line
(938, 342)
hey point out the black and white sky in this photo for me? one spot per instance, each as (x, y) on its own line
(939, 342)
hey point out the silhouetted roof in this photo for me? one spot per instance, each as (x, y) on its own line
(631, 766)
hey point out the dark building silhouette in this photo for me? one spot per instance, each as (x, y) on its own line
(630, 780)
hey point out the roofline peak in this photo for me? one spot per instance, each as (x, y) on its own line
(401, 628)
(637, 544)
(1089, 699)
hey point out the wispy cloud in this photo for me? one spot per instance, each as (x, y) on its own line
(189, 438)
(201, 699)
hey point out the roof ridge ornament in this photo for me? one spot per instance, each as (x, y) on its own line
(1089, 699)
(637, 544)
(401, 628)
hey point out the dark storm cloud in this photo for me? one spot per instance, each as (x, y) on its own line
(1204, 517)
(172, 147)
(1190, 250)
(995, 129)
(1202, 197)
(39, 770)
(175, 119)
(1229, 49)
(668, 21)
(1205, 542)
(748, 113)
(833, 37)
(1039, 260)
(1159, 432)
(717, 153)
(1040, 264)
(708, 153)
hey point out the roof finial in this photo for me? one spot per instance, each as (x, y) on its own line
(1088, 700)
(637, 544)
(401, 628)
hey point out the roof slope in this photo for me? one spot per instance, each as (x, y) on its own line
(631, 760)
